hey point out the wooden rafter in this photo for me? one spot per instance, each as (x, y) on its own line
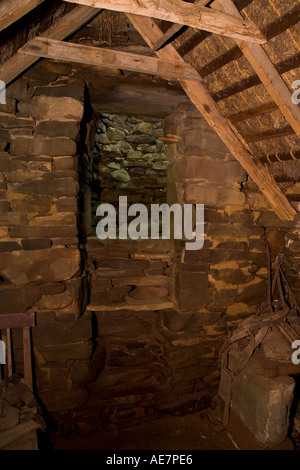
(174, 29)
(189, 14)
(89, 55)
(63, 28)
(12, 10)
(267, 72)
(210, 111)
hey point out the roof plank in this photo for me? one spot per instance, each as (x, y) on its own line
(230, 136)
(189, 14)
(89, 55)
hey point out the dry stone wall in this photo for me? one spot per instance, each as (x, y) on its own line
(41, 263)
(227, 279)
(126, 364)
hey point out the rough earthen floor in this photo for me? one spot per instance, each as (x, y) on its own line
(191, 432)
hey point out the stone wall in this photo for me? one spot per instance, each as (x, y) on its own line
(229, 273)
(227, 279)
(154, 358)
(127, 364)
(41, 263)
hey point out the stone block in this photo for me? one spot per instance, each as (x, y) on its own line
(122, 326)
(185, 374)
(53, 265)
(253, 294)
(52, 378)
(125, 263)
(45, 108)
(4, 206)
(141, 139)
(9, 246)
(63, 333)
(66, 351)
(82, 372)
(262, 403)
(295, 247)
(121, 175)
(66, 90)
(209, 170)
(54, 187)
(233, 230)
(64, 163)
(18, 299)
(61, 218)
(18, 89)
(231, 276)
(271, 220)
(58, 129)
(4, 135)
(191, 290)
(43, 146)
(11, 122)
(44, 232)
(195, 193)
(66, 204)
(66, 241)
(21, 175)
(10, 106)
(149, 292)
(36, 243)
(13, 218)
(52, 302)
(64, 400)
(114, 134)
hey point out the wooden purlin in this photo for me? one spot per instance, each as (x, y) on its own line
(62, 28)
(209, 109)
(265, 69)
(180, 12)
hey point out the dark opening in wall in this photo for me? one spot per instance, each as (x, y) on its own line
(128, 160)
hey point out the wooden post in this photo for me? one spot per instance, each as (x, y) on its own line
(9, 352)
(27, 358)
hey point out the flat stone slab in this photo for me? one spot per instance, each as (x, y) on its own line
(154, 304)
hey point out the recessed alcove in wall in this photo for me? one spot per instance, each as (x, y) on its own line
(128, 160)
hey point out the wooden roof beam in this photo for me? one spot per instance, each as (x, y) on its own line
(61, 29)
(202, 99)
(12, 10)
(89, 55)
(183, 13)
(267, 72)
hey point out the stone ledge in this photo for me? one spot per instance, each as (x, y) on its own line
(154, 304)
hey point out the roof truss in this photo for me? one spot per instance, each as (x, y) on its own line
(183, 13)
